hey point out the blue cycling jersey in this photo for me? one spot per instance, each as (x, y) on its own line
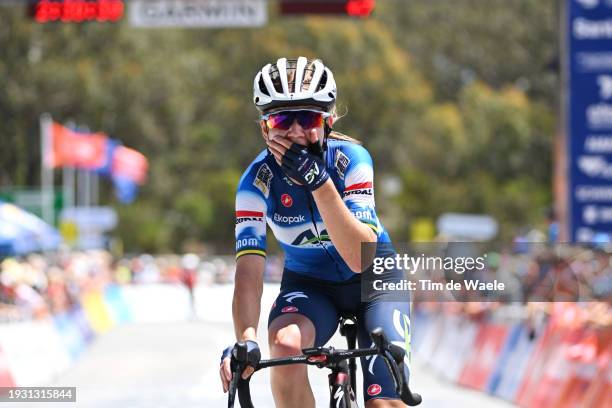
(267, 196)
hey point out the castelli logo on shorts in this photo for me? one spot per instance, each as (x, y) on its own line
(286, 200)
(374, 389)
(289, 309)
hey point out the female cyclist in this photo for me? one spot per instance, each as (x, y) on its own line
(314, 188)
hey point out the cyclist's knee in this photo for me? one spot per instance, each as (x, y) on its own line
(289, 334)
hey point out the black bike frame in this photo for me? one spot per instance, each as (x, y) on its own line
(342, 394)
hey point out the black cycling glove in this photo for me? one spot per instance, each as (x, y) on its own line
(306, 165)
(253, 354)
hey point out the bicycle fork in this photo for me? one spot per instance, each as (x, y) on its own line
(341, 392)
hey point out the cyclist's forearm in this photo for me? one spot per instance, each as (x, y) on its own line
(246, 305)
(345, 231)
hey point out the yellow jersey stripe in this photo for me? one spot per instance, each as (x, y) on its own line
(251, 252)
(374, 227)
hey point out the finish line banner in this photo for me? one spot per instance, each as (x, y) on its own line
(589, 113)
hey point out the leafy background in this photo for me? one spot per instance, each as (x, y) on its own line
(457, 100)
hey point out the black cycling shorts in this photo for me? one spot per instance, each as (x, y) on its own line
(323, 302)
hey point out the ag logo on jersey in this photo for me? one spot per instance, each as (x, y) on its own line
(308, 237)
(263, 179)
(341, 163)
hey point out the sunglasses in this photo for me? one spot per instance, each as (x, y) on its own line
(307, 119)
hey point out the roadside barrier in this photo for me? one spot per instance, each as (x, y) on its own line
(486, 351)
(34, 352)
(512, 363)
(597, 395)
(6, 379)
(454, 350)
(561, 363)
(565, 363)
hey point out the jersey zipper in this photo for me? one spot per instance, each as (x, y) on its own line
(312, 219)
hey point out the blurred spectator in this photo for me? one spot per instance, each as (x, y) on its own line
(36, 286)
(190, 263)
(553, 226)
(123, 274)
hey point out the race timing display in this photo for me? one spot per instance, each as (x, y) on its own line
(77, 11)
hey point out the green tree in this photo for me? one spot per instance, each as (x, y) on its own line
(456, 97)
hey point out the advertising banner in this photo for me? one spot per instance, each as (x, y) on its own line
(487, 349)
(511, 367)
(589, 114)
(198, 13)
(6, 379)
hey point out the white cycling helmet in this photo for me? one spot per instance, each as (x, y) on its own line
(292, 82)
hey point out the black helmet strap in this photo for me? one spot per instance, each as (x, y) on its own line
(326, 132)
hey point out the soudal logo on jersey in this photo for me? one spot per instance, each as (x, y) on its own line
(374, 389)
(243, 216)
(286, 200)
(358, 189)
(289, 309)
(288, 219)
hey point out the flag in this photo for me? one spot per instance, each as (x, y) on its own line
(130, 164)
(72, 149)
(125, 189)
(129, 170)
(107, 168)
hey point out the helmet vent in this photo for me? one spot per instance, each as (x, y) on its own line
(275, 76)
(262, 87)
(323, 81)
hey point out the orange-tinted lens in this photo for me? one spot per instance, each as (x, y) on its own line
(306, 119)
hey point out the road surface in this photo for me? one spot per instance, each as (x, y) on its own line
(175, 364)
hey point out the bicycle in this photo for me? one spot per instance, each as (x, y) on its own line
(342, 380)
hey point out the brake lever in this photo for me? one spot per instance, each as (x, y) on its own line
(393, 355)
(237, 363)
(231, 398)
(392, 365)
(397, 352)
